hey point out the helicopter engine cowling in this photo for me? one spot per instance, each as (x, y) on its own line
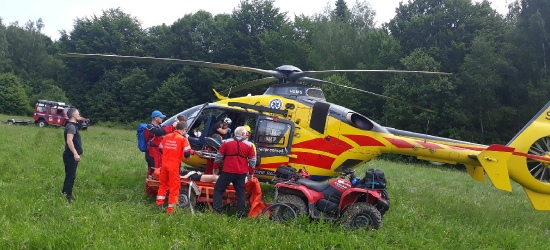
(293, 91)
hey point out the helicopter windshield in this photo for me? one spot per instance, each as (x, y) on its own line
(190, 113)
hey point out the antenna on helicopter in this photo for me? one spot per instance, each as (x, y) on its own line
(427, 127)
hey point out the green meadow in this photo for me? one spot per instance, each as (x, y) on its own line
(432, 207)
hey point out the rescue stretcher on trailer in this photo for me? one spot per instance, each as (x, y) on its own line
(192, 192)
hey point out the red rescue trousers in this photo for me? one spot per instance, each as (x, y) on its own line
(169, 180)
(156, 156)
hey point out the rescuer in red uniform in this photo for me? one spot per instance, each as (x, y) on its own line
(153, 134)
(174, 146)
(239, 160)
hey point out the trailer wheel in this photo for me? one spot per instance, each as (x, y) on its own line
(184, 200)
(42, 123)
(283, 213)
(362, 215)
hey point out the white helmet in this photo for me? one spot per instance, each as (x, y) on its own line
(227, 120)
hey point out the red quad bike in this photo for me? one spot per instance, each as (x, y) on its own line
(351, 200)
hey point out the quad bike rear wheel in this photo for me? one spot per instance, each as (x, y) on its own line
(184, 200)
(283, 213)
(362, 215)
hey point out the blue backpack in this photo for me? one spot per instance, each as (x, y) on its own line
(142, 144)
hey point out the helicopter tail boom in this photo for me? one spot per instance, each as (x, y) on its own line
(525, 159)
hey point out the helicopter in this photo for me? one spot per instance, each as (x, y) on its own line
(293, 124)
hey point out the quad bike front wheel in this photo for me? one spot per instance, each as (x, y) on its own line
(184, 200)
(284, 213)
(362, 215)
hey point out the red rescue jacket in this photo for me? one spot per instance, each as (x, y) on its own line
(239, 157)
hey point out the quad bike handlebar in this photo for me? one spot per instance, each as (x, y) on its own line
(350, 173)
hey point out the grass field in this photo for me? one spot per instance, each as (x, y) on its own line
(432, 207)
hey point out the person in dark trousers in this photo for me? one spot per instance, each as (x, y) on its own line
(73, 150)
(154, 134)
(239, 160)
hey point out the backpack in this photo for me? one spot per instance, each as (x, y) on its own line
(286, 172)
(142, 144)
(374, 179)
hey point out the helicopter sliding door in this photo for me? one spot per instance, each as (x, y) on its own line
(273, 139)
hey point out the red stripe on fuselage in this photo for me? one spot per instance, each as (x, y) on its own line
(534, 157)
(333, 145)
(363, 140)
(312, 159)
(399, 143)
(466, 148)
(500, 148)
(429, 145)
(271, 166)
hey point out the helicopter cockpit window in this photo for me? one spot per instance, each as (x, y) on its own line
(359, 121)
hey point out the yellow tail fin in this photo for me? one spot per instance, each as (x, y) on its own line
(476, 172)
(538, 200)
(494, 160)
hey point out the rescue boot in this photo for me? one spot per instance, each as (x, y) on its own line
(160, 204)
(240, 214)
(170, 210)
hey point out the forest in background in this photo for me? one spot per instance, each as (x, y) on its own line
(499, 63)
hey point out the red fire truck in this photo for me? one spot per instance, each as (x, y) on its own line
(54, 114)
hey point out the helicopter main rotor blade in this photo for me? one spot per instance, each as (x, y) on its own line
(313, 80)
(387, 97)
(248, 85)
(297, 75)
(177, 61)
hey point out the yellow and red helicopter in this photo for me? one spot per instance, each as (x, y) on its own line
(293, 124)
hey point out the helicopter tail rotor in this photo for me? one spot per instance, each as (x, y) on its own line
(525, 159)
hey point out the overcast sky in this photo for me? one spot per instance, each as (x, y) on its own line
(60, 14)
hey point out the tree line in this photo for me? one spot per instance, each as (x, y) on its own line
(499, 63)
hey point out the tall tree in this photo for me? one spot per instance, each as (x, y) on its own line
(13, 99)
(28, 52)
(341, 12)
(532, 38)
(432, 92)
(483, 76)
(114, 32)
(250, 21)
(443, 28)
(5, 62)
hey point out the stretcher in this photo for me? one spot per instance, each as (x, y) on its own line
(193, 192)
